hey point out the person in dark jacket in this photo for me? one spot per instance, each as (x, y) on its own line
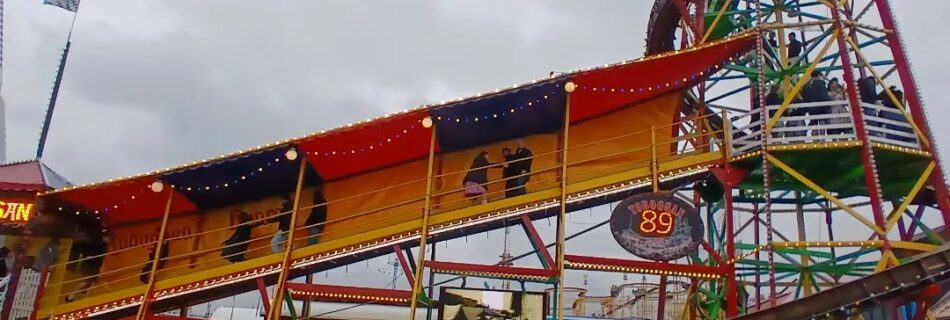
(236, 245)
(816, 90)
(476, 180)
(508, 172)
(92, 253)
(317, 219)
(522, 168)
(893, 112)
(283, 223)
(147, 268)
(867, 87)
(794, 46)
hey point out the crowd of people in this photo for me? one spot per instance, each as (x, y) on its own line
(234, 248)
(820, 89)
(515, 171)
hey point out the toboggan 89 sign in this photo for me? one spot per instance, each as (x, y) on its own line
(657, 226)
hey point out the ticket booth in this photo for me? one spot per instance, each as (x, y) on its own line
(29, 246)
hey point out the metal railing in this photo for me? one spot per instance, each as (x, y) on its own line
(820, 122)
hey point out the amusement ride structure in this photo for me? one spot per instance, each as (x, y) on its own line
(738, 187)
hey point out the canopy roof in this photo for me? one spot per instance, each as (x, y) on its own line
(29, 176)
(535, 107)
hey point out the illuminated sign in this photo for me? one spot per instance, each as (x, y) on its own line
(657, 226)
(16, 212)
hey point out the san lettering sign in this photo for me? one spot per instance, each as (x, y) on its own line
(16, 211)
(657, 226)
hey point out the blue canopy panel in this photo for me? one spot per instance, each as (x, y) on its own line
(532, 109)
(245, 178)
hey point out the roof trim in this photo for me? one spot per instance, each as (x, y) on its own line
(357, 124)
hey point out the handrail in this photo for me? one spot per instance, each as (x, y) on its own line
(687, 141)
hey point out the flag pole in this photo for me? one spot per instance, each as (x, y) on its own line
(56, 85)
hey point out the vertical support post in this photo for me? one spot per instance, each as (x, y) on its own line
(731, 291)
(766, 132)
(653, 165)
(39, 292)
(431, 280)
(562, 213)
(867, 156)
(424, 233)
(915, 105)
(661, 301)
(286, 263)
(800, 219)
(265, 298)
(147, 296)
(305, 311)
(758, 275)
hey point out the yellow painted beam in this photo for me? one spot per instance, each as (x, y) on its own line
(715, 22)
(884, 262)
(916, 246)
(896, 215)
(790, 96)
(890, 94)
(824, 193)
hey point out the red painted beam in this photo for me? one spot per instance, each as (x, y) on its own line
(537, 243)
(914, 104)
(712, 253)
(684, 12)
(488, 269)
(406, 270)
(644, 266)
(324, 292)
(262, 289)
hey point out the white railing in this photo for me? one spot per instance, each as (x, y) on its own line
(4, 284)
(889, 126)
(25, 295)
(820, 122)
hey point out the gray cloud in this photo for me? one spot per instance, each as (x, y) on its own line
(152, 84)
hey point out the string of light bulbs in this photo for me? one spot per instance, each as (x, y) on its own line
(397, 135)
(496, 115)
(659, 86)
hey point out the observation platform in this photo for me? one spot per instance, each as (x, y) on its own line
(603, 134)
(816, 154)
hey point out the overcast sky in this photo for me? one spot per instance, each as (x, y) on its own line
(152, 84)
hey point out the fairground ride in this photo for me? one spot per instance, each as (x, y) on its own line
(825, 202)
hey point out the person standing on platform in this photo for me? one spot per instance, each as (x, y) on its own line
(236, 245)
(476, 180)
(317, 219)
(508, 172)
(840, 110)
(816, 90)
(794, 46)
(283, 224)
(522, 167)
(147, 268)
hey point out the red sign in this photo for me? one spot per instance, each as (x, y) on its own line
(16, 211)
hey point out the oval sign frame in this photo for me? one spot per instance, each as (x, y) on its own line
(682, 237)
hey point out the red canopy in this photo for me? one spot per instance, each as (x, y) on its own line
(399, 138)
(604, 89)
(369, 146)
